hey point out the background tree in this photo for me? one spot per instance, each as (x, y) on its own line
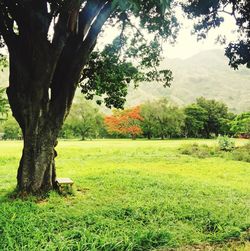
(50, 45)
(216, 111)
(126, 122)
(11, 129)
(240, 126)
(161, 119)
(169, 119)
(195, 120)
(225, 124)
(4, 107)
(66, 132)
(84, 120)
(148, 125)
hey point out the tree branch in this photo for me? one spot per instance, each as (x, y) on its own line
(95, 29)
(87, 15)
(70, 65)
(61, 28)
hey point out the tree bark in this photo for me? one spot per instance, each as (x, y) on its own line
(133, 136)
(36, 172)
(149, 136)
(29, 98)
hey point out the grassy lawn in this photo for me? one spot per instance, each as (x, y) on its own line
(129, 195)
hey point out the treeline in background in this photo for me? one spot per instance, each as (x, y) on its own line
(159, 119)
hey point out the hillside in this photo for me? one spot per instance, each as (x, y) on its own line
(205, 74)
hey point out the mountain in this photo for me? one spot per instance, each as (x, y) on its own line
(205, 74)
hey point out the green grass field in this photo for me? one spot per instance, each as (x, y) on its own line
(129, 195)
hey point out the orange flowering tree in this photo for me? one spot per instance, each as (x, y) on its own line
(125, 122)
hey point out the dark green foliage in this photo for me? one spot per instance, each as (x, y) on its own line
(216, 116)
(195, 119)
(240, 126)
(207, 118)
(209, 14)
(108, 73)
(154, 15)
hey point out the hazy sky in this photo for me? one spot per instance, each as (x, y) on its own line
(187, 44)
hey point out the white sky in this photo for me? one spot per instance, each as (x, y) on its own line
(187, 44)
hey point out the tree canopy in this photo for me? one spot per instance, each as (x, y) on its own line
(125, 122)
(216, 114)
(84, 121)
(195, 119)
(162, 119)
(68, 30)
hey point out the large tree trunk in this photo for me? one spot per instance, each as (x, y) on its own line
(40, 102)
(36, 172)
(44, 75)
(40, 121)
(149, 136)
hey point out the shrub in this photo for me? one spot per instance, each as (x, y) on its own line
(199, 151)
(226, 143)
(204, 151)
(12, 130)
(242, 153)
